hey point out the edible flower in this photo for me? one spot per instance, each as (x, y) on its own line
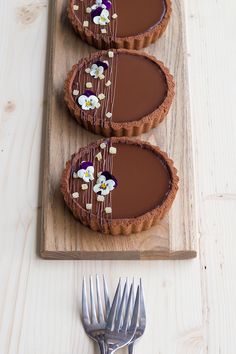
(86, 171)
(105, 183)
(100, 16)
(104, 4)
(88, 100)
(98, 68)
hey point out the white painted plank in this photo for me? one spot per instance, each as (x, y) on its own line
(190, 309)
(212, 48)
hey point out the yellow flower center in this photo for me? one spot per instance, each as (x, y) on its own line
(88, 104)
(86, 174)
(103, 19)
(103, 186)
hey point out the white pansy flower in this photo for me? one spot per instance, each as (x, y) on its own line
(88, 102)
(96, 71)
(105, 184)
(102, 19)
(98, 4)
(86, 171)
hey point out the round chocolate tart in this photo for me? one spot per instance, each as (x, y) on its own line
(130, 24)
(119, 92)
(119, 185)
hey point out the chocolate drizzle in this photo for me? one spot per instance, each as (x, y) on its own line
(141, 185)
(82, 16)
(79, 83)
(134, 17)
(147, 185)
(88, 196)
(138, 87)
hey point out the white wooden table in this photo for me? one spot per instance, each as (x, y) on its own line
(190, 304)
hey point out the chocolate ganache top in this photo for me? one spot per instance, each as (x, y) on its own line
(120, 85)
(136, 180)
(141, 87)
(137, 16)
(124, 18)
(144, 181)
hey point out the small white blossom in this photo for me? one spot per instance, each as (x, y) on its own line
(75, 92)
(75, 195)
(99, 156)
(100, 198)
(112, 150)
(101, 96)
(108, 114)
(108, 83)
(102, 19)
(98, 4)
(104, 186)
(103, 146)
(96, 71)
(86, 172)
(108, 210)
(88, 103)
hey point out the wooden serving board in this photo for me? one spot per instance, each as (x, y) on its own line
(62, 236)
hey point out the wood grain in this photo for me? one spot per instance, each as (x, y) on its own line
(63, 237)
(190, 304)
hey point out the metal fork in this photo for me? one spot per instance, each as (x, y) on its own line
(141, 323)
(117, 330)
(123, 319)
(95, 324)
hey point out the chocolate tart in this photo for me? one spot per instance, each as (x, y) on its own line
(119, 92)
(131, 24)
(119, 185)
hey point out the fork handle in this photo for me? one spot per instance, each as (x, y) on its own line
(131, 348)
(102, 347)
(109, 351)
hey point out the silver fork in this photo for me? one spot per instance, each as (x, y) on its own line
(123, 319)
(95, 322)
(141, 323)
(117, 330)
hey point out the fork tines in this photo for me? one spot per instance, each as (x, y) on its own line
(98, 313)
(124, 312)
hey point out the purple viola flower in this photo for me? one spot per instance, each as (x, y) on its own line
(97, 69)
(85, 164)
(102, 19)
(96, 12)
(88, 101)
(105, 183)
(100, 14)
(102, 63)
(108, 176)
(86, 171)
(104, 4)
(89, 93)
(107, 3)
